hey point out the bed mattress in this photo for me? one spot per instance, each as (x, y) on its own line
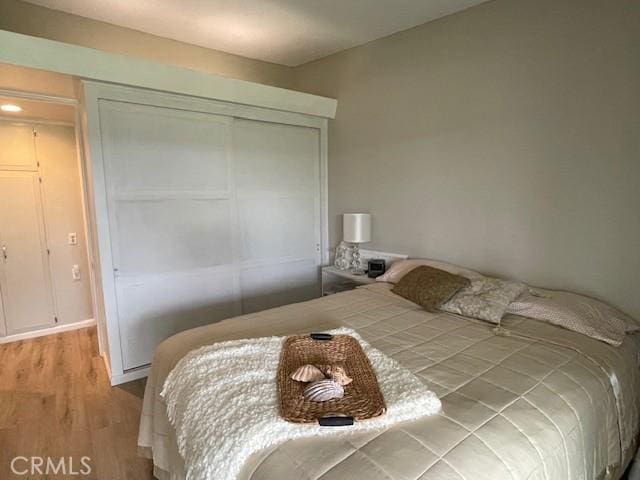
(542, 403)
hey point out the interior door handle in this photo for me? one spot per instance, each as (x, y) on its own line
(4, 252)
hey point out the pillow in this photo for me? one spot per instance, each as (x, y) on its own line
(400, 268)
(429, 287)
(575, 312)
(485, 298)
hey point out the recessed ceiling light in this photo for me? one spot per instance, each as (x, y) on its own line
(9, 107)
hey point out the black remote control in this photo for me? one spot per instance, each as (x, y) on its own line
(321, 336)
(335, 421)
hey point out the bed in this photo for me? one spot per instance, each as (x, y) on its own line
(541, 403)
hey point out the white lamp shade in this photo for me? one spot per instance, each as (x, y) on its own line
(356, 227)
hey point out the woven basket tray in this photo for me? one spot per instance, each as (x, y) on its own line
(362, 397)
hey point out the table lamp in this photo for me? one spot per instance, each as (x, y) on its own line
(356, 229)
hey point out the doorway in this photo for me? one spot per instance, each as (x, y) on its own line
(44, 270)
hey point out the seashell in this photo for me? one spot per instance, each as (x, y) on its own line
(323, 390)
(337, 374)
(307, 373)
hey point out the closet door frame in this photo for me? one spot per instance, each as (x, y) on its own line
(93, 93)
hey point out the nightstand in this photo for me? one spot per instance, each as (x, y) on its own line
(335, 280)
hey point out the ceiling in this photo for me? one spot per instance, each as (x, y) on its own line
(287, 32)
(36, 110)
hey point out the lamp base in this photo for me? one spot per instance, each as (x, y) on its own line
(356, 261)
(341, 261)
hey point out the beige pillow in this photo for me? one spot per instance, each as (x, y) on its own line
(486, 298)
(575, 312)
(429, 287)
(400, 268)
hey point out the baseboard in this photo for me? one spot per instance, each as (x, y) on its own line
(48, 331)
(130, 376)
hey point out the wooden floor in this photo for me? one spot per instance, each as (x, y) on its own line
(56, 401)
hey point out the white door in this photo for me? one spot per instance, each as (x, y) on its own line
(18, 150)
(171, 222)
(25, 282)
(277, 174)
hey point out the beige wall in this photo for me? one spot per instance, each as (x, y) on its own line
(13, 77)
(505, 138)
(21, 17)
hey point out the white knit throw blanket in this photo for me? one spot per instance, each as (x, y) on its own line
(222, 401)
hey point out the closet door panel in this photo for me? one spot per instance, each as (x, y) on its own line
(274, 157)
(183, 233)
(159, 306)
(18, 150)
(277, 172)
(171, 222)
(275, 226)
(153, 149)
(279, 283)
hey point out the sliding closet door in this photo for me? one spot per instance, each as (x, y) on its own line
(277, 172)
(171, 222)
(205, 210)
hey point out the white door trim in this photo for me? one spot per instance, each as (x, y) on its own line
(40, 97)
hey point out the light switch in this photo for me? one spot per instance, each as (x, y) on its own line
(75, 272)
(73, 239)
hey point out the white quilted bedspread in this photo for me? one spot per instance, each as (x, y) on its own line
(230, 387)
(544, 403)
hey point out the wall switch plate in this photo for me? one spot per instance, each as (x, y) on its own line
(73, 239)
(75, 272)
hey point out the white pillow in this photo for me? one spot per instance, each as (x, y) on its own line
(575, 312)
(400, 268)
(485, 298)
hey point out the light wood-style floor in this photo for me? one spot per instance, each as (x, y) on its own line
(55, 400)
